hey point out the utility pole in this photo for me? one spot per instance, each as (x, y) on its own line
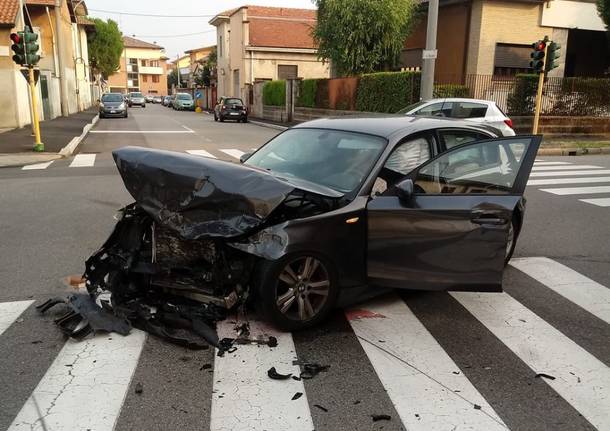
(178, 68)
(429, 54)
(61, 55)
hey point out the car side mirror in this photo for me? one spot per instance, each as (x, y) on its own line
(404, 189)
(244, 157)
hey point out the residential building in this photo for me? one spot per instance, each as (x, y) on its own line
(197, 57)
(64, 86)
(256, 43)
(494, 37)
(183, 66)
(143, 68)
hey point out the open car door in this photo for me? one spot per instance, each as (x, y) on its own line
(446, 225)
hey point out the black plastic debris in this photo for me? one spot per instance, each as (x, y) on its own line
(297, 395)
(273, 374)
(309, 371)
(324, 409)
(546, 376)
(205, 367)
(477, 407)
(139, 388)
(377, 418)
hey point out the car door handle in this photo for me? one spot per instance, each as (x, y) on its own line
(492, 219)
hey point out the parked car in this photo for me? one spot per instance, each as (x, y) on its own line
(170, 103)
(480, 111)
(183, 102)
(136, 98)
(321, 212)
(166, 100)
(112, 105)
(157, 99)
(230, 108)
(148, 98)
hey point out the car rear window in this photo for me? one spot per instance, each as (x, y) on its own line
(469, 110)
(184, 97)
(233, 102)
(112, 97)
(136, 95)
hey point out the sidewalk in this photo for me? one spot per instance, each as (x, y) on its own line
(16, 144)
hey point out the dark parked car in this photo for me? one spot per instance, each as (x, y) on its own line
(112, 105)
(318, 214)
(183, 102)
(136, 98)
(230, 108)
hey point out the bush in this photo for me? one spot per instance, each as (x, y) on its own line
(387, 91)
(451, 90)
(579, 96)
(307, 93)
(522, 100)
(274, 93)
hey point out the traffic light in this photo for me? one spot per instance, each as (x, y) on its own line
(552, 54)
(25, 47)
(537, 56)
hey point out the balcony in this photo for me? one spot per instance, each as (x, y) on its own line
(149, 70)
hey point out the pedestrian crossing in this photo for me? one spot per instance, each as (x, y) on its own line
(579, 180)
(87, 383)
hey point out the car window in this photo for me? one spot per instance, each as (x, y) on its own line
(431, 110)
(136, 95)
(486, 167)
(234, 102)
(110, 97)
(469, 110)
(453, 138)
(184, 96)
(408, 155)
(411, 107)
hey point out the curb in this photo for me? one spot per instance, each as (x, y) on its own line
(75, 142)
(41, 158)
(573, 151)
(268, 125)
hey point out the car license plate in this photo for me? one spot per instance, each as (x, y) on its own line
(113, 112)
(234, 113)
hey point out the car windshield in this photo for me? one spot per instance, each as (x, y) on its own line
(184, 97)
(136, 95)
(112, 97)
(411, 107)
(336, 159)
(233, 102)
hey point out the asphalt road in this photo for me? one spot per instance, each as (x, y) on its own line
(434, 361)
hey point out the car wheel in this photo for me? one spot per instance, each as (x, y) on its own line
(513, 234)
(297, 291)
(245, 120)
(222, 119)
(215, 117)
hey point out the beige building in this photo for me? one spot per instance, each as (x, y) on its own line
(70, 42)
(494, 37)
(256, 43)
(196, 58)
(143, 68)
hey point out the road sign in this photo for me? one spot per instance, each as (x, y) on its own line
(25, 73)
(429, 54)
(197, 94)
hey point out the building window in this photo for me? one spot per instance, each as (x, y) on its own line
(133, 80)
(511, 59)
(155, 78)
(144, 78)
(220, 46)
(132, 65)
(143, 63)
(287, 72)
(154, 63)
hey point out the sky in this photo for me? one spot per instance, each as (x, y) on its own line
(166, 31)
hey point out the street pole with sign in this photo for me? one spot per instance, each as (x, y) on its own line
(429, 54)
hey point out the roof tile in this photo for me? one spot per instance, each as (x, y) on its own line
(8, 11)
(131, 42)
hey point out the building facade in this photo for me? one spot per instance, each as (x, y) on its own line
(494, 37)
(143, 68)
(69, 43)
(256, 43)
(196, 59)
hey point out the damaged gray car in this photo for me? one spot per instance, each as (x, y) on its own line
(320, 215)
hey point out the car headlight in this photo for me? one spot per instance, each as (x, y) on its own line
(122, 105)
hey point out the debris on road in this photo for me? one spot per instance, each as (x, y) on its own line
(297, 395)
(273, 374)
(205, 367)
(312, 370)
(377, 418)
(324, 409)
(139, 388)
(546, 376)
(477, 407)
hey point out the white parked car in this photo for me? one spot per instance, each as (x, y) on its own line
(479, 111)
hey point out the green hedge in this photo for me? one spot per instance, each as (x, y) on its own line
(387, 91)
(307, 93)
(522, 100)
(274, 93)
(451, 90)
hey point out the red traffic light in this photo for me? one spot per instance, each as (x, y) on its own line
(15, 38)
(539, 46)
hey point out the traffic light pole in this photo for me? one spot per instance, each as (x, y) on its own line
(539, 92)
(38, 146)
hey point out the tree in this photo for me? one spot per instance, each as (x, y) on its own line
(208, 69)
(603, 8)
(105, 47)
(172, 79)
(363, 36)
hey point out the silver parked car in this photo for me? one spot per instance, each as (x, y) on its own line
(136, 98)
(479, 111)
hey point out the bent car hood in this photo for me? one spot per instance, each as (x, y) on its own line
(200, 197)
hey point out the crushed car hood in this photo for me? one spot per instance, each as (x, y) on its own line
(202, 197)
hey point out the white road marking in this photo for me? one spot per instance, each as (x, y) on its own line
(37, 166)
(244, 398)
(551, 163)
(426, 387)
(580, 378)
(141, 131)
(83, 160)
(203, 153)
(84, 388)
(578, 190)
(10, 311)
(600, 202)
(568, 181)
(538, 160)
(564, 168)
(582, 291)
(569, 173)
(188, 128)
(233, 153)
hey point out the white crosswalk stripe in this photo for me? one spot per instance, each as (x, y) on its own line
(233, 153)
(551, 163)
(202, 153)
(439, 396)
(580, 378)
(600, 202)
(37, 166)
(83, 160)
(577, 180)
(570, 173)
(564, 168)
(10, 311)
(578, 190)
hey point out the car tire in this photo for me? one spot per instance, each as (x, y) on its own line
(215, 117)
(245, 120)
(513, 234)
(102, 116)
(222, 119)
(274, 289)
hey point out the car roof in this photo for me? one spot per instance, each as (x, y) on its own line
(387, 125)
(461, 99)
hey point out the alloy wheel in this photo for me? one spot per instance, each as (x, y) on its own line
(302, 289)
